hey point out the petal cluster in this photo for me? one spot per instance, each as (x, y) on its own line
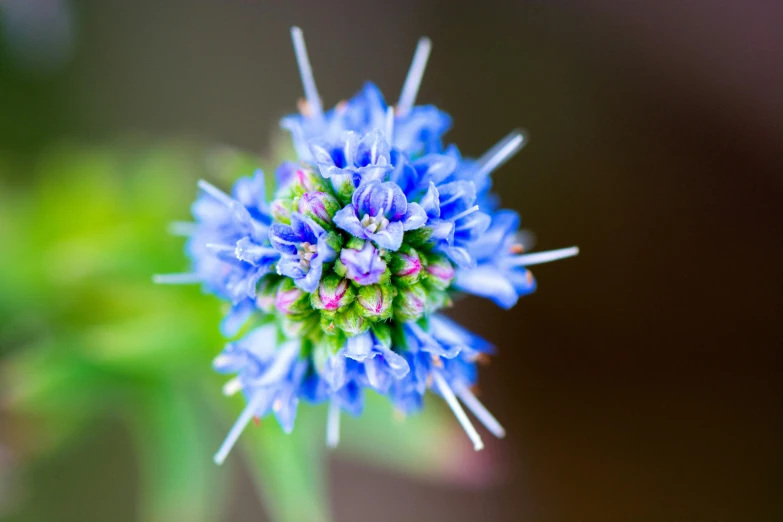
(370, 232)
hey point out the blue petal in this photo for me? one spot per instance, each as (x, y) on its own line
(346, 219)
(414, 218)
(236, 317)
(430, 202)
(470, 228)
(456, 197)
(388, 199)
(497, 237)
(435, 168)
(334, 372)
(254, 254)
(283, 238)
(421, 130)
(390, 238)
(351, 399)
(487, 281)
(289, 266)
(310, 281)
(251, 192)
(360, 347)
(460, 256)
(304, 227)
(374, 151)
(284, 175)
(362, 197)
(397, 364)
(442, 230)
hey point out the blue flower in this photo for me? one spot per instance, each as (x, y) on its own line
(304, 249)
(369, 235)
(380, 212)
(418, 131)
(500, 274)
(352, 159)
(364, 266)
(228, 245)
(268, 375)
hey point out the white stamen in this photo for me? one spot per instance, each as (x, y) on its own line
(306, 71)
(451, 400)
(215, 192)
(543, 257)
(389, 124)
(333, 425)
(478, 409)
(257, 403)
(177, 279)
(465, 213)
(282, 363)
(232, 387)
(182, 228)
(413, 81)
(453, 198)
(499, 154)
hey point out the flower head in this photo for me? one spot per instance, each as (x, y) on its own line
(368, 235)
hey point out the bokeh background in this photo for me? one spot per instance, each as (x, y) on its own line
(642, 382)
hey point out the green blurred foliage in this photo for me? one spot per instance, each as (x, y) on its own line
(85, 336)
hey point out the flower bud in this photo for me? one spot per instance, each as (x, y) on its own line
(440, 273)
(290, 300)
(281, 210)
(375, 302)
(332, 294)
(319, 206)
(405, 266)
(296, 179)
(410, 303)
(350, 322)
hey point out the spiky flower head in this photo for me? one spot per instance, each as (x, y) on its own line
(370, 233)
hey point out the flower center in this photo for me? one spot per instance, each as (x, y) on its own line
(374, 224)
(306, 254)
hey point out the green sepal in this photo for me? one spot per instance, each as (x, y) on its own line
(299, 325)
(351, 322)
(355, 243)
(335, 241)
(383, 334)
(344, 191)
(418, 238)
(410, 303)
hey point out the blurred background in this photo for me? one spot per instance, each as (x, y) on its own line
(642, 382)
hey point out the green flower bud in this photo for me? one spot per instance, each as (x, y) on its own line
(319, 206)
(281, 210)
(405, 265)
(410, 303)
(333, 294)
(440, 272)
(266, 294)
(374, 302)
(290, 300)
(350, 322)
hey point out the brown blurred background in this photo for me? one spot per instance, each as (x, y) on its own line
(642, 382)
